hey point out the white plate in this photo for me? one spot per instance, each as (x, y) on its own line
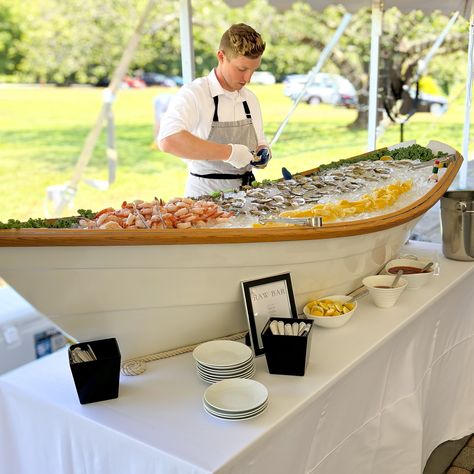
(236, 417)
(207, 370)
(228, 369)
(222, 353)
(234, 395)
(240, 413)
(233, 375)
(214, 379)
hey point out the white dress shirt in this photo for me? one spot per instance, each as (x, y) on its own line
(192, 109)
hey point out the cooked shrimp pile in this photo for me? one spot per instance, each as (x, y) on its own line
(177, 213)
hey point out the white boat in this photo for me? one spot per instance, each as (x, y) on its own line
(156, 290)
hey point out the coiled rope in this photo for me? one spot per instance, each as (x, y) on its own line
(137, 365)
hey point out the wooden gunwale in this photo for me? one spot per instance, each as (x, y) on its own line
(80, 237)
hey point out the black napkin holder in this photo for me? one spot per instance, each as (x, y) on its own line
(97, 380)
(286, 355)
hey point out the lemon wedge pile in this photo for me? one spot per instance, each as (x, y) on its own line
(328, 307)
(378, 199)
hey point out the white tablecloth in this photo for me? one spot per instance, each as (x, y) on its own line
(378, 396)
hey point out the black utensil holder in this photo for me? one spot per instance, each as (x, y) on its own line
(97, 380)
(286, 355)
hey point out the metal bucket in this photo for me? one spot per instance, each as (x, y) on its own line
(457, 214)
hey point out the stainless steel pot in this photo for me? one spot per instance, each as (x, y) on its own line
(457, 214)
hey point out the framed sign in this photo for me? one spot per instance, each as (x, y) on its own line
(264, 298)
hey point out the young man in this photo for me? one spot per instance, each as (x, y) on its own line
(215, 123)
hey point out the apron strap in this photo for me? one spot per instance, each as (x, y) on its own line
(216, 103)
(247, 178)
(247, 110)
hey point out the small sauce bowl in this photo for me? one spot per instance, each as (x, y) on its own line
(410, 266)
(381, 291)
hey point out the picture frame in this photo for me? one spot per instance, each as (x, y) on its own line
(264, 298)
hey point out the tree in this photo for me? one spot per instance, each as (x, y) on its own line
(69, 41)
(11, 35)
(406, 39)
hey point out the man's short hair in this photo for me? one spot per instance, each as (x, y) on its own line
(242, 40)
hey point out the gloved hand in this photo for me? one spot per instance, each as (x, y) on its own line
(240, 156)
(263, 157)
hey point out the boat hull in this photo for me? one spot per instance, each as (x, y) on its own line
(155, 298)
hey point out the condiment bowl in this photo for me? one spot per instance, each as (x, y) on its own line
(414, 280)
(379, 286)
(330, 321)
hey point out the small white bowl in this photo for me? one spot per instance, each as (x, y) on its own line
(331, 321)
(380, 290)
(415, 280)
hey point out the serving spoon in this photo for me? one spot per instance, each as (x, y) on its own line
(427, 266)
(395, 281)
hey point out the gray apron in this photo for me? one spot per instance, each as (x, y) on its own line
(206, 176)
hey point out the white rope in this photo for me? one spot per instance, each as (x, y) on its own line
(137, 365)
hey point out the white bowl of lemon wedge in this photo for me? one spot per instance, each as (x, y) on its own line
(331, 311)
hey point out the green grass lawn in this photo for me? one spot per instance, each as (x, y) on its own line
(42, 132)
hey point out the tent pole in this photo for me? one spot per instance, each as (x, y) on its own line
(376, 32)
(467, 105)
(423, 64)
(187, 45)
(322, 59)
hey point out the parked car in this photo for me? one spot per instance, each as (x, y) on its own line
(127, 82)
(325, 88)
(178, 80)
(133, 82)
(157, 79)
(436, 104)
(263, 77)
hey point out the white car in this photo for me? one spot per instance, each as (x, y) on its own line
(263, 77)
(327, 88)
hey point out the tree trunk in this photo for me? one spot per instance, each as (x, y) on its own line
(362, 119)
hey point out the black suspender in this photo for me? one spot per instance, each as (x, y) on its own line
(216, 103)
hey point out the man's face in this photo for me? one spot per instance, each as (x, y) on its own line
(234, 73)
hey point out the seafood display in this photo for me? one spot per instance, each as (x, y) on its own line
(179, 282)
(305, 190)
(177, 213)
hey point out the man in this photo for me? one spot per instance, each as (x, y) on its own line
(215, 123)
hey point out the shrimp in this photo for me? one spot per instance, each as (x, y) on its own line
(104, 211)
(183, 225)
(181, 212)
(110, 225)
(130, 220)
(102, 218)
(146, 211)
(123, 212)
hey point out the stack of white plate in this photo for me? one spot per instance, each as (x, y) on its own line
(220, 360)
(236, 399)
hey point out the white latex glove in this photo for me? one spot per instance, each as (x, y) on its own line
(240, 156)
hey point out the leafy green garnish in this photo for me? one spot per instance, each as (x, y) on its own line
(40, 223)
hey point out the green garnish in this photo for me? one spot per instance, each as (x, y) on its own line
(39, 223)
